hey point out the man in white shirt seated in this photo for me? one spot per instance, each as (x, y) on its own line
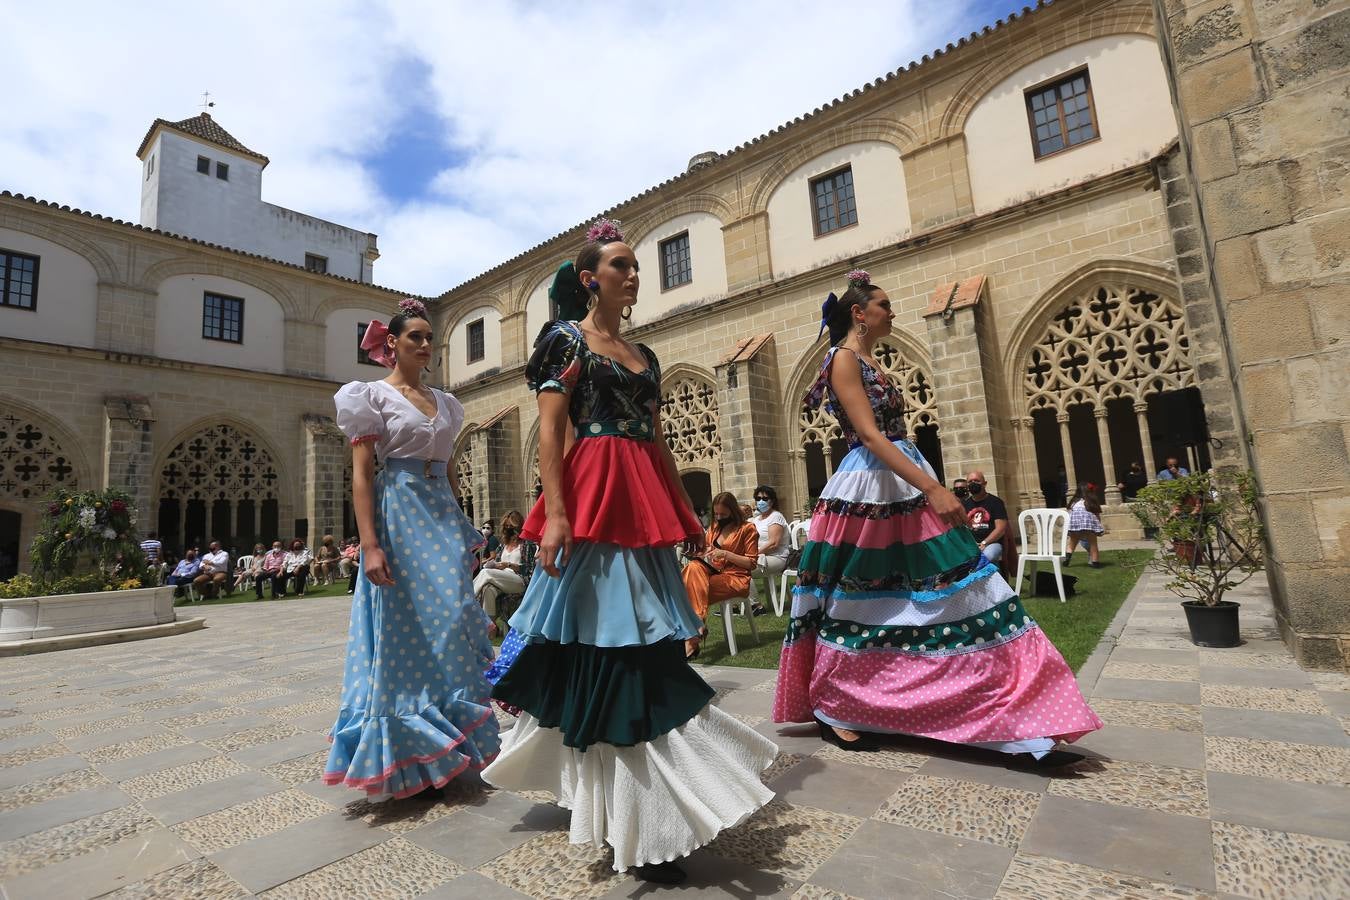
(215, 572)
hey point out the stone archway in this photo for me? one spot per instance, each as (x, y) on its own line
(220, 482)
(1108, 381)
(822, 442)
(36, 458)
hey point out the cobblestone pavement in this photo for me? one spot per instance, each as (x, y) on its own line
(187, 767)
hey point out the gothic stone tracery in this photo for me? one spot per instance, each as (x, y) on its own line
(32, 463)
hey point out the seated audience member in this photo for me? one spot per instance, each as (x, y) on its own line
(271, 571)
(215, 572)
(326, 561)
(351, 562)
(774, 541)
(502, 575)
(153, 550)
(722, 572)
(1135, 481)
(296, 566)
(245, 567)
(185, 572)
(489, 550)
(1173, 469)
(960, 488)
(988, 517)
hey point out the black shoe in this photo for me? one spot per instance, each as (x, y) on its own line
(758, 609)
(1055, 759)
(660, 873)
(1094, 565)
(864, 743)
(690, 657)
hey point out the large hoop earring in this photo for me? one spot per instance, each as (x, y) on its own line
(627, 312)
(862, 329)
(590, 304)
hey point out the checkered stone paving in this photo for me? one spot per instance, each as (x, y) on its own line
(196, 774)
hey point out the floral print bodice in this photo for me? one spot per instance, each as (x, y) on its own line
(599, 389)
(888, 401)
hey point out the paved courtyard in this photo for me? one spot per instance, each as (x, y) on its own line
(187, 767)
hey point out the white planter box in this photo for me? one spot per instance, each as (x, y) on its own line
(29, 618)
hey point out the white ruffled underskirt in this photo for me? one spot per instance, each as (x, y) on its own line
(654, 802)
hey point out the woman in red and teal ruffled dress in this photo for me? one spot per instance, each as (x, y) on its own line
(899, 625)
(613, 721)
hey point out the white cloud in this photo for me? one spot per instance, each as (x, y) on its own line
(553, 113)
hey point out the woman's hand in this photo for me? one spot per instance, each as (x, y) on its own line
(694, 544)
(377, 567)
(948, 508)
(557, 537)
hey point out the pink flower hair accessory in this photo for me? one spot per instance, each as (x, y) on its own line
(858, 278)
(604, 231)
(411, 306)
(373, 342)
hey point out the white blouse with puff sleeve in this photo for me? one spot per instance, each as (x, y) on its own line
(376, 411)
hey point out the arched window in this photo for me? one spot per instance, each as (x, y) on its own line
(220, 484)
(689, 420)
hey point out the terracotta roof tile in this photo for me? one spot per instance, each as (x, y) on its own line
(746, 348)
(204, 127)
(955, 295)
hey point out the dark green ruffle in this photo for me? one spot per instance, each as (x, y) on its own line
(1003, 621)
(613, 695)
(897, 567)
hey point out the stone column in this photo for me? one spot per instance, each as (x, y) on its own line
(325, 460)
(1259, 90)
(938, 183)
(796, 501)
(1027, 463)
(748, 418)
(747, 247)
(1066, 441)
(515, 342)
(128, 453)
(1146, 440)
(965, 382)
(1111, 490)
(505, 481)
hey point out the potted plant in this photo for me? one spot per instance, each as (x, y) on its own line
(1211, 542)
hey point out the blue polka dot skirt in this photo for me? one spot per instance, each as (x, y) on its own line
(415, 710)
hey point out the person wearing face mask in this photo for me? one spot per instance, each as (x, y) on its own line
(271, 570)
(774, 545)
(503, 574)
(960, 488)
(722, 572)
(988, 517)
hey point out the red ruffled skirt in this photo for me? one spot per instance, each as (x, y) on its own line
(617, 492)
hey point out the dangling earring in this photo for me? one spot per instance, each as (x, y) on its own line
(627, 312)
(862, 330)
(590, 304)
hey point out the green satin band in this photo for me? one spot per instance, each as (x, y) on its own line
(637, 429)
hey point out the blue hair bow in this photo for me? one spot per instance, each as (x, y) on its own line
(825, 309)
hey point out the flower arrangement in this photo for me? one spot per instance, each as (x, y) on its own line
(604, 231)
(858, 278)
(93, 531)
(411, 306)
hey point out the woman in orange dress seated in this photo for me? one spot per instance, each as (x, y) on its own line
(722, 571)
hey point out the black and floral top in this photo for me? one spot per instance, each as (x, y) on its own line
(600, 389)
(888, 401)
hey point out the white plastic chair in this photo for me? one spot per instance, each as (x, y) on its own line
(1052, 544)
(745, 610)
(778, 589)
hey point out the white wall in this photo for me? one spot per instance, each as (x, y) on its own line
(1134, 118)
(536, 313)
(883, 208)
(340, 345)
(178, 325)
(708, 265)
(66, 310)
(181, 200)
(457, 351)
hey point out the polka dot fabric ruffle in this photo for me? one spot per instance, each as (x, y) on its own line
(415, 709)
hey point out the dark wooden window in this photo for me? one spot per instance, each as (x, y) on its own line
(1061, 114)
(223, 318)
(316, 263)
(477, 347)
(18, 280)
(203, 165)
(834, 205)
(362, 356)
(222, 171)
(676, 268)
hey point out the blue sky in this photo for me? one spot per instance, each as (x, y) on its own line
(462, 133)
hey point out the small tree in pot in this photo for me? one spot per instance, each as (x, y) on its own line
(1211, 537)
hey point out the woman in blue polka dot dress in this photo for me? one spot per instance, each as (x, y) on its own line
(415, 708)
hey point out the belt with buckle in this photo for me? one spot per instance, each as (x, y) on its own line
(636, 429)
(427, 468)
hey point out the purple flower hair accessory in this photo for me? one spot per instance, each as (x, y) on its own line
(858, 278)
(604, 231)
(411, 306)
